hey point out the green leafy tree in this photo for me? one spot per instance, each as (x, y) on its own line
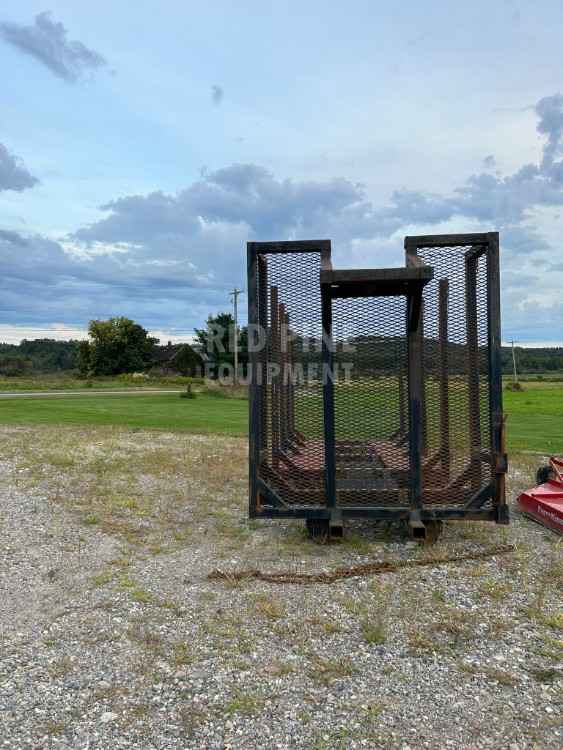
(116, 345)
(48, 355)
(188, 362)
(217, 341)
(12, 365)
(84, 357)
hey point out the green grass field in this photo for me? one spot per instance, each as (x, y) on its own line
(535, 418)
(535, 415)
(206, 413)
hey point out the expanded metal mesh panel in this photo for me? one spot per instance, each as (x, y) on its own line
(370, 401)
(410, 417)
(457, 451)
(292, 461)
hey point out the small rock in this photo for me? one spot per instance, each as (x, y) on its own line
(108, 716)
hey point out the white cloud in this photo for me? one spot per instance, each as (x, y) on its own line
(170, 259)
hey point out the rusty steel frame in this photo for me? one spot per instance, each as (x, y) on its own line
(276, 440)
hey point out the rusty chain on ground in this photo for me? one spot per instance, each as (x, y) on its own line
(356, 570)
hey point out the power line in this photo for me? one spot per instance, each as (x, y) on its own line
(514, 362)
(235, 295)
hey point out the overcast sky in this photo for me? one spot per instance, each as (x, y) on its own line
(142, 144)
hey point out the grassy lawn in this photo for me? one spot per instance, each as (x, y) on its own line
(205, 414)
(535, 418)
(535, 415)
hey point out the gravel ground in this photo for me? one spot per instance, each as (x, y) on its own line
(113, 637)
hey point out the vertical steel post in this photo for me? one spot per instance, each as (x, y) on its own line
(402, 406)
(444, 378)
(291, 383)
(472, 335)
(283, 381)
(288, 376)
(423, 420)
(275, 363)
(328, 397)
(255, 433)
(415, 385)
(261, 357)
(495, 376)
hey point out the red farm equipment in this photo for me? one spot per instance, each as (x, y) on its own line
(544, 503)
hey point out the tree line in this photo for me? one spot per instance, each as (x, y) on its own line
(120, 345)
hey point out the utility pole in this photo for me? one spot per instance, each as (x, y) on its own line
(234, 294)
(514, 363)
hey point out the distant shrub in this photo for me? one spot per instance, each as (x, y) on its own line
(133, 377)
(187, 361)
(188, 393)
(157, 376)
(15, 366)
(514, 386)
(214, 388)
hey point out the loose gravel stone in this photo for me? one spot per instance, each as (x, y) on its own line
(114, 637)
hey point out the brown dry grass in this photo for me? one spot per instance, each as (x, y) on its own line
(151, 490)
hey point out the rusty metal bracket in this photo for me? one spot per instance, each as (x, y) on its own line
(501, 463)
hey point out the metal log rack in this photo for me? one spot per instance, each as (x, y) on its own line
(416, 432)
